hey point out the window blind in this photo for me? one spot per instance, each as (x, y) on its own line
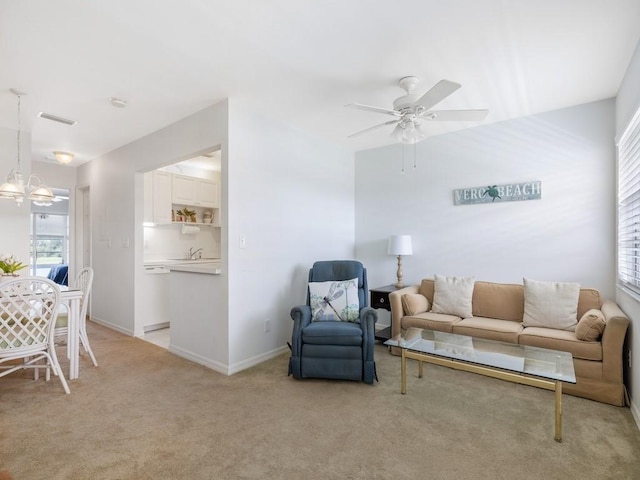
(629, 206)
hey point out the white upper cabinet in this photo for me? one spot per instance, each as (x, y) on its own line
(194, 191)
(207, 191)
(157, 197)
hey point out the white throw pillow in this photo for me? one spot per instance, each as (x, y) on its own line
(551, 304)
(453, 295)
(336, 301)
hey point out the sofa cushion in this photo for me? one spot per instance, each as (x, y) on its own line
(440, 322)
(490, 328)
(453, 295)
(498, 300)
(414, 303)
(334, 300)
(560, 340)
(590, 326)
(426, 289)
(589, 299)
(550, 304)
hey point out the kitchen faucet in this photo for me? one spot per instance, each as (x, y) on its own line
(191, 254)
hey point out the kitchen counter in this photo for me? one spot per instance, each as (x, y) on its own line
(195, 266)
(210, 266)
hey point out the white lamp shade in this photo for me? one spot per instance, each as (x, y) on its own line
(399, 245)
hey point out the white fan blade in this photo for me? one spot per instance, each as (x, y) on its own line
(439, 92)
(375, 109)
(390, 122)
(455, 115)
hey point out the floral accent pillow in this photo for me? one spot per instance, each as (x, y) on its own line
(334, 301)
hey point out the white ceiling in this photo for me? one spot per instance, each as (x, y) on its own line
(299, 61)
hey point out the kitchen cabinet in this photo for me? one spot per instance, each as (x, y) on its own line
(192, 191)
(157, 202)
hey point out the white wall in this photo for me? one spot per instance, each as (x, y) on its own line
(167, 241)
(627, 103)
(117, 204)
(291, 196)
(14, 238)
(565, 236)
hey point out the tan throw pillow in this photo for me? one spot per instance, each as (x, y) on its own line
(550, 304)
(414, 303)
(590, 326)
(453, 295)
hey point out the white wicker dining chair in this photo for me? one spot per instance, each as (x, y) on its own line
(84, 282)
(28, 311)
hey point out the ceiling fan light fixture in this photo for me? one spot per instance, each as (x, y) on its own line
(63, 157)
(412, 109)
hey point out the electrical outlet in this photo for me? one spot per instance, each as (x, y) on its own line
(267, 325)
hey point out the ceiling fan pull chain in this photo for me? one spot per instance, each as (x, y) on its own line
(402, 150)
(414, 155)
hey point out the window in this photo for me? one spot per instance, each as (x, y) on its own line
(49, 242)
(50, 234)
(629, 206)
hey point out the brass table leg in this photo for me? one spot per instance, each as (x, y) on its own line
(558, 391)
(403, 388)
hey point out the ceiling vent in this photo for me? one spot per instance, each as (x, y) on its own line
(55, 118)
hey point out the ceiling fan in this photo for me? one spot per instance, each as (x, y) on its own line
(412, 110)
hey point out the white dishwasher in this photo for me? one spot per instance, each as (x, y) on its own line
(156, 297)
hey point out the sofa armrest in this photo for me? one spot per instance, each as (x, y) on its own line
(301, 316)
(613, 342)
(397, 312)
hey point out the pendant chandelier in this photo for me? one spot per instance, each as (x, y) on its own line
(14, 188)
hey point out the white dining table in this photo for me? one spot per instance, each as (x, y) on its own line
(70, 297)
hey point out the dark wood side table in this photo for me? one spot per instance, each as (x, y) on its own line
(380, 299)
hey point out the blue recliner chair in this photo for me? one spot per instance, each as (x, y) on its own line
(340, 350)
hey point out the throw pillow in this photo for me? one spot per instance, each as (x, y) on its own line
(590, 326)
(453, 295)
(337, 301)
(414, 303)
(550, 304)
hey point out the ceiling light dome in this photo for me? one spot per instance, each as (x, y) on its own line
(63, 157)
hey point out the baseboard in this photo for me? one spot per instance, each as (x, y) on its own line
(155, 326)
(636, 413)
(263, 357)
(112, 326)
(200, 360)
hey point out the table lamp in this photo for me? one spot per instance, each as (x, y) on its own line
(399, 245)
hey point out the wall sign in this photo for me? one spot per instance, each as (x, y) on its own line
(511, 192)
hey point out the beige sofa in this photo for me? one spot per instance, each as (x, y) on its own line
(498, 311)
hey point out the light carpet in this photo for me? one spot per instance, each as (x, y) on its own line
(147, 414)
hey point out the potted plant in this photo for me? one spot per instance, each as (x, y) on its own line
(180, 216)
(9, 265)
(190, 215)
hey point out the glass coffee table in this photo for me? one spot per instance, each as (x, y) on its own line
(537, 367)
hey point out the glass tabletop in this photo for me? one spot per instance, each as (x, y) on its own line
(540, 362)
